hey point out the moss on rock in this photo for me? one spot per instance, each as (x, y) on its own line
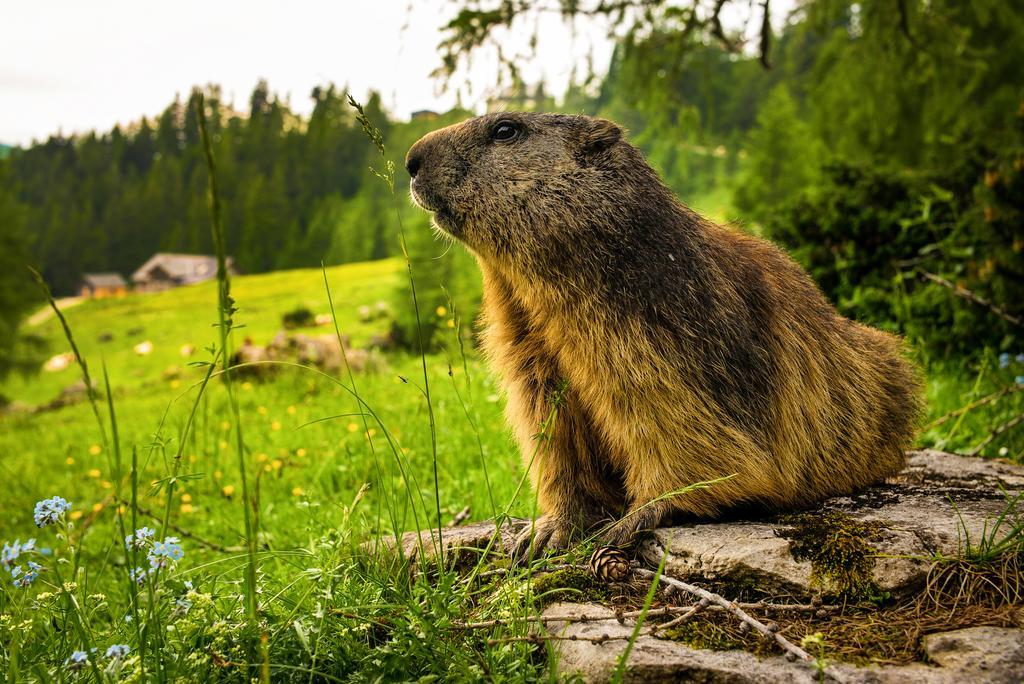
(839, 550)
(574, 584)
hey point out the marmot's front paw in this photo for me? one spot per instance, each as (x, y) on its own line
(627, 532)
(547, 532)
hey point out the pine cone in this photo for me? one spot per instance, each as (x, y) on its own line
(609, 564)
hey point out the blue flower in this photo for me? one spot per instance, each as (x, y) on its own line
(11, 552)
(1019, 358)
(165, 553)
(1019, 379)
(118, 651)
(23, 578)
(77, 660)
(140, 538)
(138, 575)
(49, 511)
(1004, 360)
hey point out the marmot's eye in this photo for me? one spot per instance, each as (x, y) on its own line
(504, 131)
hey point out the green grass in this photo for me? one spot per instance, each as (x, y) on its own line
(306, 474)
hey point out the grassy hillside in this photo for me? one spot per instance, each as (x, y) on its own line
(188, 315)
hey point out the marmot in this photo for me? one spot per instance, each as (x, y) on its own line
(681, 351)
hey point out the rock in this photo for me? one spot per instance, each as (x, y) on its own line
(991, 654)
(72, 394)
(252, 358)
(465, 542)
(980, 654)
(921, 512)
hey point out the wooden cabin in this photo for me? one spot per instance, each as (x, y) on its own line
(99, 285)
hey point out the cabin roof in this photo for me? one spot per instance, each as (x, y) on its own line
(182, 268)
(95, 280)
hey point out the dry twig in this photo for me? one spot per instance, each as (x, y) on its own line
(963, 292)
(792, 649)
(686, 612)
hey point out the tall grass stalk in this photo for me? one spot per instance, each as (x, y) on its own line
(90, 389)
(388, 176)
(467, 404)
(366, 426)
(225, 311)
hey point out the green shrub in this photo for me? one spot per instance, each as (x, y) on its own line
(300, 317)
(874, 239)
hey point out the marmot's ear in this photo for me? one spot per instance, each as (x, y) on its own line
(600, 134)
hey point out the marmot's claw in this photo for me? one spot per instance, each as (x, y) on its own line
(547, 532)
(627, 532)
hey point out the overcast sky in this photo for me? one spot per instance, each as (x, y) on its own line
(76, 65)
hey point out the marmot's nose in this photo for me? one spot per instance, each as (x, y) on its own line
(412, 163)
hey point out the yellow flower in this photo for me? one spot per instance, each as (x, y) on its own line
(225, 425)
(75, 515)
(95, 449)
(352, 427)
(262, 410)
(186, 508)
(300, 452)
(277, 463)
(217, 474)
(122, 509)
(186, 498)
(175, 384)
(106, 484)
(291, 410)
(297, 491)
(95, 472)
(69, 460)
(228, 490)
(441, 312)
(451, 322)
(276, 425)
(371, 432)
(223, 445)
(192, 458)
(97, 507)
(267, 468)
(247, 386)
(261, 458)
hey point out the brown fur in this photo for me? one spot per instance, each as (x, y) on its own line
(691, 351)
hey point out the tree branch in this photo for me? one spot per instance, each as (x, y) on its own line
(964, 293)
